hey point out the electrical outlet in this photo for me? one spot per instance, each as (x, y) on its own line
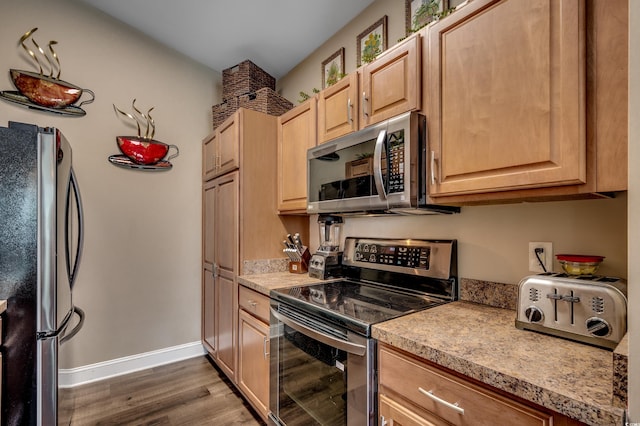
(546, 256)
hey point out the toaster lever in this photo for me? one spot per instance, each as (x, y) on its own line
(554, 296)
(571, 299)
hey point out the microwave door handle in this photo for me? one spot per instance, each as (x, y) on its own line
(377, 164)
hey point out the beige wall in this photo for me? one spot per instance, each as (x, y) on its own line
(308, 74)
(634, 211)
(139, 281)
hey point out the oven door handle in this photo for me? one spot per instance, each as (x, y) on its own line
(349, 347)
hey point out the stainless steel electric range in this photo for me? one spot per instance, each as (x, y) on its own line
(323, 359)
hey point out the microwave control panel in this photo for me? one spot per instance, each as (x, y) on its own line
(395, 143)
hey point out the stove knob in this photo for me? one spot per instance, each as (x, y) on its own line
(534, 314)
(598, 327)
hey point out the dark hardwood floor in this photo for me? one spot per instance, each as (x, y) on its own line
(191, 392)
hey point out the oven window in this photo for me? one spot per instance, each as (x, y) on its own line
(313, 385)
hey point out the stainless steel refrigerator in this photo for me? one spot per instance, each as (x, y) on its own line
(41, 233)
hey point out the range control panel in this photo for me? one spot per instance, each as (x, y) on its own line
(429, 258)
(411, 257)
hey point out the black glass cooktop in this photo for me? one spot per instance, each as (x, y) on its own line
(353, 305)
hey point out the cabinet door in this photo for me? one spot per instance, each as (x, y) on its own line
(208, 312)
(338, 109)
(297, 132)
(209, 157)
(208, 223)
(393, 413)
(225, 315)
(228, 139)
(253, 361)
(507, 90)
(227, 223)
(226, 269)
(391, 84)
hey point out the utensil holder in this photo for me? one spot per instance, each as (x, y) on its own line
(301, 266)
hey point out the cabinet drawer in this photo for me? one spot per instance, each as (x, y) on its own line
(255, 303)
(452, 398)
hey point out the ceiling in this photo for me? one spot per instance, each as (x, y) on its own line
(276, 35)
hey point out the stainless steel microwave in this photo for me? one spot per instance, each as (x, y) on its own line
(379, 169)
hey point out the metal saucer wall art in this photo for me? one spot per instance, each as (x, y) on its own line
(142, 152)
(44, 91)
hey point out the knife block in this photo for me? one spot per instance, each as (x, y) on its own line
(302, 266)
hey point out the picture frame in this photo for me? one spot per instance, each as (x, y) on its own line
(372, 41)
(333, 68)
(412, 6)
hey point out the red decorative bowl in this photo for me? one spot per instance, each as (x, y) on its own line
(144, 151)
(47, 91)
(578, 264)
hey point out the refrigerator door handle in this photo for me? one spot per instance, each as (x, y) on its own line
(67, 336)
(72, 271)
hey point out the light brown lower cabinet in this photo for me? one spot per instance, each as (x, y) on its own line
(416, 393)
(253, 349)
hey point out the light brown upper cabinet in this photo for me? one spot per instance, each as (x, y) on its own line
(391, 84)
(520, 97)
(221, 149)
(338, 109)
(297, 132)
(384, 88)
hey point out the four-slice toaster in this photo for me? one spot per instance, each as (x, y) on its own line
(586, 308)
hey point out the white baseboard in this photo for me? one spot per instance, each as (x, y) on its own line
(116, 367)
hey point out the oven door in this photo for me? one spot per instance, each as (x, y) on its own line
(320, 374)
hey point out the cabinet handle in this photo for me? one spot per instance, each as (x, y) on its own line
(349, 107)
(433, 167)
(364, 104)
(252, 304)
(265, 344)
(383, 421)
(453, 406)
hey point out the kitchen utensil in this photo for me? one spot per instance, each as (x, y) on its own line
(587, 308)
(575, 264)
(144, 151)
(326, 261)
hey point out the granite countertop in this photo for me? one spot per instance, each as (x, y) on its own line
(483, 343)
(263, 283)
